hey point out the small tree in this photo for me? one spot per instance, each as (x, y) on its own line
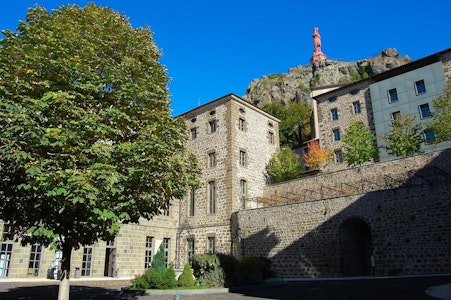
(186, 279)
(441, 123)
(317, 157)
(359, 146)
(284, 165)
(159, 260)
(405, 137)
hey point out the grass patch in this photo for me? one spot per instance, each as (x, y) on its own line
(177, 288)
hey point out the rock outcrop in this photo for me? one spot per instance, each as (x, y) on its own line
(298, 82)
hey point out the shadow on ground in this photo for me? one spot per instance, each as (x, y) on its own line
(402, 288)
(51, 292)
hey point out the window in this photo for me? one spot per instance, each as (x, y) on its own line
(6, 250)
(424, 111)
(271, 137)
(212, 159)
(35, 260)
(243, 191)
(332, 99)
(166, 212)
(356, 107)
(211, 245)
(212, 196)
(420, 87)
(192, 201)
(334, 113)
(242, 158)
(193, 133)
(338, 155)
(8, 234)
(395, 115)
(241, 124)
(190, 250)
(166, 250)
(148, 256)
(392, 95)
(213, 126)
(429, 136)
(86, 262)
(336, 133)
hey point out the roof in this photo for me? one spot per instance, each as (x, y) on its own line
(229, 97)
(433, 58)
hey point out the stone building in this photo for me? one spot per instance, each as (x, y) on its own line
(375, 101)
(128, 255)
(233, 141)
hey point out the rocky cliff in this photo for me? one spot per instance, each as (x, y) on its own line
(298, 82)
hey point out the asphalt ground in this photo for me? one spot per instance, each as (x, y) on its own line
(396, 288)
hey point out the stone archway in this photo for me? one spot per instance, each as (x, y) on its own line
(355, 248)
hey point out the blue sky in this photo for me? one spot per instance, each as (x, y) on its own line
(215, 47)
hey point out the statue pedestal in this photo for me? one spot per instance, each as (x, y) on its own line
(317, 57)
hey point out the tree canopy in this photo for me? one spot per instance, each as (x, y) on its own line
(441, 117)
(359, 146)
(294, 126)
(87, 141)
(317, 157)
(284, 165)
(405, 137)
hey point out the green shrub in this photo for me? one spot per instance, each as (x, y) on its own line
(186, 279)
(159, 259)
(215, 269)
(253, 270)
(155, 279)
(169, 278)
(207, 270)
(139, 283)
(228, 264)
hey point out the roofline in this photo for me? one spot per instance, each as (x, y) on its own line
(433, 58)
(191, 113)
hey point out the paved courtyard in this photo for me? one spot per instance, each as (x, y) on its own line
(399, 288)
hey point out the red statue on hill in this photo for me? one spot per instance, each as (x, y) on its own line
(317, 54)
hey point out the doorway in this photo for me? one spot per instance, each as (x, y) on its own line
(110, 259)
(355, 248)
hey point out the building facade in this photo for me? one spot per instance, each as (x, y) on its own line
(408, 90)
(233, 140)
(128, 255)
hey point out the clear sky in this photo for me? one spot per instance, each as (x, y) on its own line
(215, 47)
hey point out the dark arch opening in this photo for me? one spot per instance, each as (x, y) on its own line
(355, 248)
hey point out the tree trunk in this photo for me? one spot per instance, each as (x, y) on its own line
(64, 287)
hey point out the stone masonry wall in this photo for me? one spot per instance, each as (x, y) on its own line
(409, 224)
(372, 177)
(130, 246)
(227, 142)
(343, 101)
(446, 60)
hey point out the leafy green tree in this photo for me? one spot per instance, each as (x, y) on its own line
(359, 146)
(441, 123)
(294, 127)
(159, 260)
(405, 137)
(284, 165)
(87, 141)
